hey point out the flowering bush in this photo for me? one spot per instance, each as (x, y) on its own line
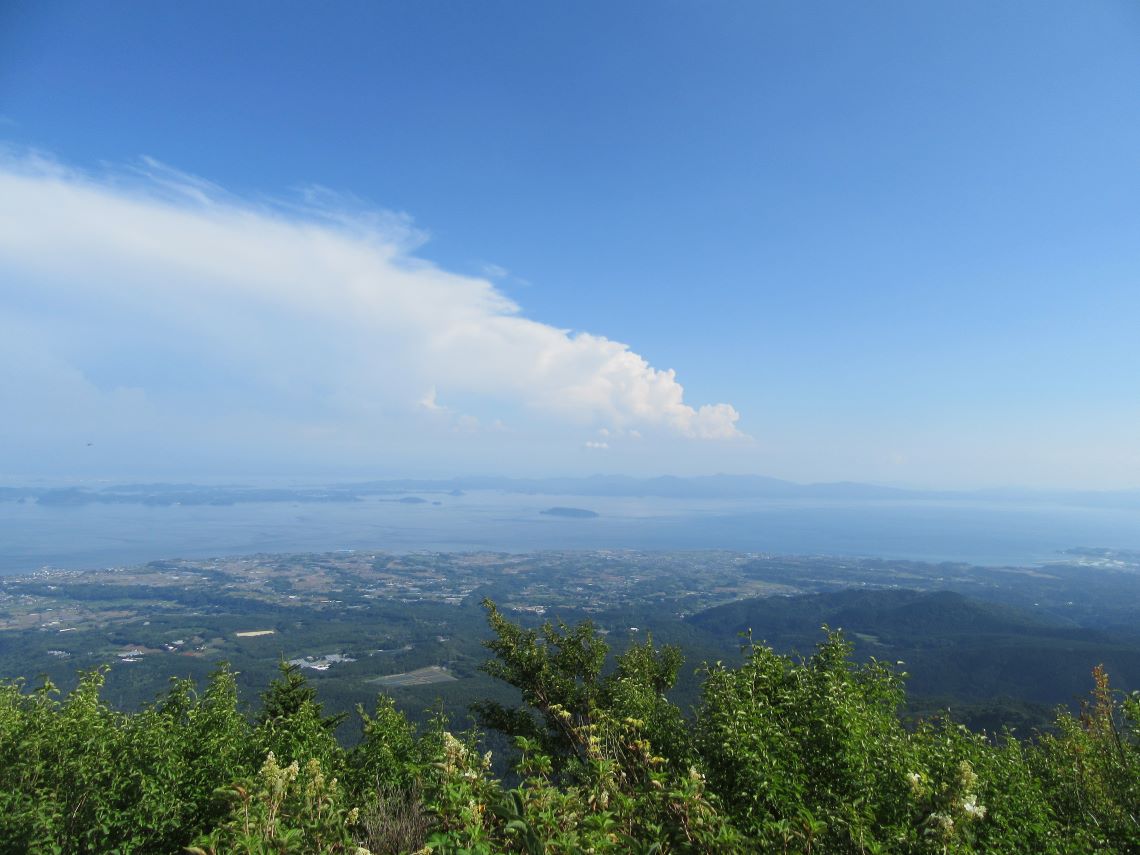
(781, 755)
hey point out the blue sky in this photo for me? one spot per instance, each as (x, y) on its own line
(893, 242)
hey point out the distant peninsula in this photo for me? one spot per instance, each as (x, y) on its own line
(413, 491)
(575, 513)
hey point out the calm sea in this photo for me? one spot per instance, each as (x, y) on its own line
(34, 536)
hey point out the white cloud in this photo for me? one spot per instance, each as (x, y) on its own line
(429, 403)
(590, 443)
(315, 316)
(495, 271)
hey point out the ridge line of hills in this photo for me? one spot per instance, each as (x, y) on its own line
(665, 486)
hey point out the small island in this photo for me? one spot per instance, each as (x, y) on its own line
(574, 513)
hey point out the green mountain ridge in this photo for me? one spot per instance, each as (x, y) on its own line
(953, 645)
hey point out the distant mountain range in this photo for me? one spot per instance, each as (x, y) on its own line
(666, 486)
(746, 487)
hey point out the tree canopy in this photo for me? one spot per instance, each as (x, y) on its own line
(781, 754)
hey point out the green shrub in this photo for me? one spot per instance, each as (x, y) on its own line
(781, 755)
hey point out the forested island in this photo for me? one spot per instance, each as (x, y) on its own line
(572, 513)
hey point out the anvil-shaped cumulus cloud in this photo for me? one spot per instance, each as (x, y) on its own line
(150, 286)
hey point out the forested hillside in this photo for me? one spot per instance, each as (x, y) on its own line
(963, 651)
(781, 754)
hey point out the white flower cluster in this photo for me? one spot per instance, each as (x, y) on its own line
(971, 808)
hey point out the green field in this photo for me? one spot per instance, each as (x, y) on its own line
(419, 677)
